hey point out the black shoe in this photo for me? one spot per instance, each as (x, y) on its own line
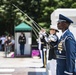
(43, 67)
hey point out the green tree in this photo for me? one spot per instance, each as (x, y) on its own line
(38, 10)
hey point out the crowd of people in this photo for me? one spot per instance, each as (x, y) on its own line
(7, 43)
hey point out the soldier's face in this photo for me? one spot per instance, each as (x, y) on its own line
(61, 25)
(9, 38)
(52, 31)
(21, 34)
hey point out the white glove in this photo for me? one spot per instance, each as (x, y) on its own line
(44, 49)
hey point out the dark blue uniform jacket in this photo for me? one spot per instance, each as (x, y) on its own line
(66, 54)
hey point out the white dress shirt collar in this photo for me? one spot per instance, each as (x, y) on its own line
(64, 32)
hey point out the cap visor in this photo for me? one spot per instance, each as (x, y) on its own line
(61, 20)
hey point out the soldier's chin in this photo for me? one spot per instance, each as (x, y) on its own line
(59, 28)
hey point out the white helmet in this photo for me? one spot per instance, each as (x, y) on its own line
(54, 28)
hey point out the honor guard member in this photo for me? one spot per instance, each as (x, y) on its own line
(66, 52)
(53, 41)
(22, 42)
(42, 35)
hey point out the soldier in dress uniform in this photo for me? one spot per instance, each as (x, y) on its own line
(22, 42)
(53, 41)
(42, 45)
(66, 52)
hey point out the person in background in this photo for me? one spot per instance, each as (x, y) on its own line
(3, 41)
(22, 42)
(66, 52)
(0, 44)
(13, 42)
(8, 44)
